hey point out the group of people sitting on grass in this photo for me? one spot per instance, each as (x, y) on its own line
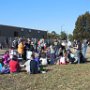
(13, 64)
(36, 56)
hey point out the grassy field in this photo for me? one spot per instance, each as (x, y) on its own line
(63, 77)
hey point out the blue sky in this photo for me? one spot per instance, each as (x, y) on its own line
(49, 15)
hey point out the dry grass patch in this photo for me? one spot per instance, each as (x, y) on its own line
(69, 77)
(64, 77)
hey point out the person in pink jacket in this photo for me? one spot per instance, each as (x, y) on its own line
(6, 58)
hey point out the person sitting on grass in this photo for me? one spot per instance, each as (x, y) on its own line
(6, 58)
(33, 65)
(12, 52)
(62, 59)
(26, 65)
(0, 66)
(33, 60)
(4, 69)
(43, 58)
(37, 59)
(14, 65)
(72, 58)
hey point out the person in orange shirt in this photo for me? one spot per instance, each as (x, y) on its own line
(21, 48)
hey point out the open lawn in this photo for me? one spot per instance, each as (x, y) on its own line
(63, 77)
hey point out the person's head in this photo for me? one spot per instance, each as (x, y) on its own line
(51, 46)
(61, 54)
(11, 47)
(74, 40)
(28, 39)
(32, 43)
(29, 42)
(36, 55)
(14, 57)
(22, 41)
(69, 51)
(33, 56)
(1, 61)
(84, 41)
(78, 41)
(42, 49)
(7, 52)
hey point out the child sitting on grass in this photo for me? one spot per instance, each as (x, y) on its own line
(14, 65)
(6, 58)
(62, 59)
(72, 58)
(33, 65)
(0, 66)
(43, 58)
(4, 69)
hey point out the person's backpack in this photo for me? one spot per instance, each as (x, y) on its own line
(33, 67)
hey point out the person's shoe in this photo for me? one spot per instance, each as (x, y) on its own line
(43, 72)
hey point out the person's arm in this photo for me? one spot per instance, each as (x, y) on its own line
(76, 47)
(24, 65)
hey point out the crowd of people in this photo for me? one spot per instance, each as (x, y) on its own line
(37, 54)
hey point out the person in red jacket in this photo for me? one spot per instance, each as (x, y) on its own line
(14, 65)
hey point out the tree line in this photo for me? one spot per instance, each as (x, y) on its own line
(81, 30)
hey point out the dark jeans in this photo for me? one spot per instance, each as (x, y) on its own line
(52, 57)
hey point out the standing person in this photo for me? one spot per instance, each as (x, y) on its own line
(32, 46)
(84, 48)
(52, 55)
(15, 44)
(78, 50)
(35, 44)
(21, 49)
(69, 45)
(26, 47)
(1, 46)
(74, 45)
(56, 47)
(42, 43)
(7, 42)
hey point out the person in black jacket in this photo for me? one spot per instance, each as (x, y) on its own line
(33, 65)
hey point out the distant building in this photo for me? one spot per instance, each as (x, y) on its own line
(10, 32)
